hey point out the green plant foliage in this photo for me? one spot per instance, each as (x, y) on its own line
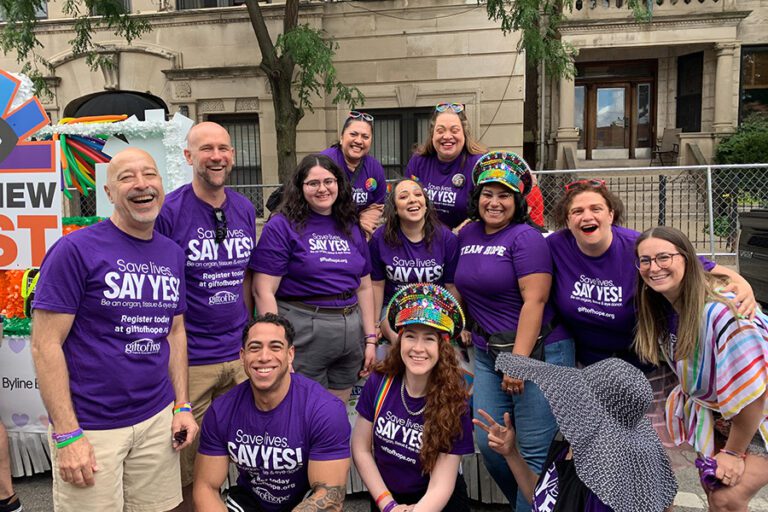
(313, 54)
(748, 145)
(18, 33)
(539, 21)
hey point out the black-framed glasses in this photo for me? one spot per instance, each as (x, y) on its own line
(354, 114)
(594, 183)
(220, 234)
(315, 184)
(456, 108)
(663, 260)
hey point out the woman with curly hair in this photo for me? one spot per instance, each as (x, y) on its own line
(720, 359)
(414, 421)
(312, 266)
(444, 162)
(413, 246)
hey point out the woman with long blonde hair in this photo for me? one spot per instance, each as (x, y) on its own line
(720, 359)
(414, 421)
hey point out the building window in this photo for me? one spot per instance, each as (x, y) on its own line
(41, 13)
(754, 80)
(397, 133)
(246, 175)
(203, 4)
(126, 4)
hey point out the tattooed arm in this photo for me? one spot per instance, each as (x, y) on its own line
(328, 479)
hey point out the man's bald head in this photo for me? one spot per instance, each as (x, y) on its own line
(211, 155)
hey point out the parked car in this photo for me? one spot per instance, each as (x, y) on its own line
(753, 252)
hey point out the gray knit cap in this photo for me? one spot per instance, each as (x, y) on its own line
(600, 410)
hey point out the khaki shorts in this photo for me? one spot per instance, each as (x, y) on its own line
(206, 382)
(138, 470)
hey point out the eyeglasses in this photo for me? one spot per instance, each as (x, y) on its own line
(456, 108)
(354, 114)
(663, 260)
(594, 183)
(315, 184)
(221, 225)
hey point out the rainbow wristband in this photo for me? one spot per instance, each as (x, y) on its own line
(734, 454)
(67, 442)
(382, 496)
(185, 407)
(392, 504)
(58, 438)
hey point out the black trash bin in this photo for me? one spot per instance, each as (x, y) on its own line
(753, 251)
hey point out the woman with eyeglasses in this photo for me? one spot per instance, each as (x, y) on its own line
(365, 173)
(504, 274)
(594, 280)
(721, 361)
(312, 266)
(414, 423)
(412, 246)
(444, 163)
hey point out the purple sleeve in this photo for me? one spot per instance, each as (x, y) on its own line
(377, 266)
(273, 251)
(362, 246)
(707, 264)
(530, 254)
(63, 274)
(368, 396)
(212, 439)
(464, 445)
(377, 170)
(451, 255)
(330, 431)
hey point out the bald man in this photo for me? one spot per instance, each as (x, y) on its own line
(109, 348)
(216, 228)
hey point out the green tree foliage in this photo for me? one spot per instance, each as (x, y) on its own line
(749, 145)
(18, 33)
(538, 22)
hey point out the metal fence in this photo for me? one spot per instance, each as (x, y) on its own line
(702, 201)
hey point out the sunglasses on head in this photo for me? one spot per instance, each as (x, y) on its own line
(594, 183)
(354, 114)
(221, 225)
(456, 108)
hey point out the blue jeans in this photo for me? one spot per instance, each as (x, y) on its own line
(534, 424)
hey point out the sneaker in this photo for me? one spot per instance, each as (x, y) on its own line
(11, 506)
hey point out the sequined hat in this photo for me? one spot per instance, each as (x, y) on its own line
(425, 304)
(600, 411)
(506, 168)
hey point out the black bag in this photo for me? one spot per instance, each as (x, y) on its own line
(504, 341)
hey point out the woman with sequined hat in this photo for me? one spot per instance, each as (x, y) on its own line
(504, 274)
(606, 456)
(414, 423)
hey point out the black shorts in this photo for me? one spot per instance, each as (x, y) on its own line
(241, 500)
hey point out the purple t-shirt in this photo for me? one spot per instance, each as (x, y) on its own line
(320, 260)
(272, 449)
(124, 293)
(413, 262)
(397, 435)
(214, 272)
(595, 296)
(487, 273)
(369, 182)
(448, 185)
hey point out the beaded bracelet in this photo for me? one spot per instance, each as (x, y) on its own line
(185, 407)
(58, 438)
(67, 442)
(382, 496)
(734, 454)
(392, 504)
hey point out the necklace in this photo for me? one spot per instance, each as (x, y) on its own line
(402, 397)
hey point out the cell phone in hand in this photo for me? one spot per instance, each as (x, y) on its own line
(180, 436)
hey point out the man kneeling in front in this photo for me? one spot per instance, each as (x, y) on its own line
(287, 435)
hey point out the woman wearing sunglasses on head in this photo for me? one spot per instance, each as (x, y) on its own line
(414, 422)
(365, 173)
(720, 359)
(312, 266)
(444, 163)
(504, 273)
(594, 280)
